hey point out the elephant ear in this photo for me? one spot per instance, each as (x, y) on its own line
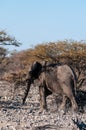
(35, 70)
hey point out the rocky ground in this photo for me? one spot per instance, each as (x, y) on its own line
(15, 116)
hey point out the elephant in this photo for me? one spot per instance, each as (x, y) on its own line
(53, 79)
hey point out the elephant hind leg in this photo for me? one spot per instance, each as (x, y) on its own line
(74, 103)
(62, 107)
(71, 95)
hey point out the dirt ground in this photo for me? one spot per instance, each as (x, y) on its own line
(15, 116)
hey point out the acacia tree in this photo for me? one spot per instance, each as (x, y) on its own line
(5, 39)
(72, 53)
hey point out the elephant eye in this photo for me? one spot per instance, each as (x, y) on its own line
(30, 73)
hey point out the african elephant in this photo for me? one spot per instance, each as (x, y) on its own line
(52, 78)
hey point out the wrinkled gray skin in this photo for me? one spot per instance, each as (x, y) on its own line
(56, 79)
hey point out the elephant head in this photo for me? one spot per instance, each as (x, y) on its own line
(33, 74)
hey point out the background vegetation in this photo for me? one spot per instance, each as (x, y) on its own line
(15, 66)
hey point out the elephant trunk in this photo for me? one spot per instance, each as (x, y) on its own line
(28, 84)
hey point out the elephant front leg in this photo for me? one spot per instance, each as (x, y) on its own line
(43, 103)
